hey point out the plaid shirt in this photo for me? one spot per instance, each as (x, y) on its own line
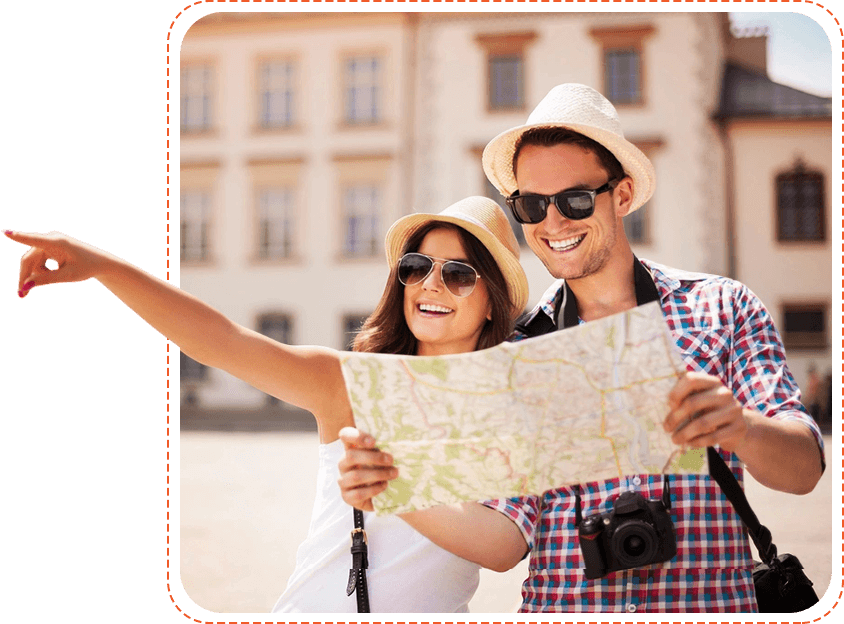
(722, 329)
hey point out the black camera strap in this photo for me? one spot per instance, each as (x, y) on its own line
(538, 323)
(760, 534)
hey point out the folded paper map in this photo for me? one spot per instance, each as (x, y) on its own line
(574, 406)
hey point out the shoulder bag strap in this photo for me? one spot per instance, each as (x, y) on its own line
(760, 534)
(360, 562)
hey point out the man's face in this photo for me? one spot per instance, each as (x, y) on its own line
(570, 249)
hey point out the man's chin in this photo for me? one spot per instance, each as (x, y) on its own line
(559, 270)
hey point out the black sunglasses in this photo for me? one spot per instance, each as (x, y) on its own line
(575, 205)
(459, 278)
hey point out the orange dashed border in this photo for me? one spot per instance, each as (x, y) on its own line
(506, 2)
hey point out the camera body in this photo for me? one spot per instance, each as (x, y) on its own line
(637, 532)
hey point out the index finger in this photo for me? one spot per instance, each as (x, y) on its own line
(690, 383)
(33, 240)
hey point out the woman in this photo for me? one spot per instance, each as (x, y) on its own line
(455, 285)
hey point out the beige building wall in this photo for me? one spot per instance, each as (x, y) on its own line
(426, 152)
(779, 272)
(682, 54)
(317, 286)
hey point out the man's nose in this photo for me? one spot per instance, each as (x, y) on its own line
(554, 219)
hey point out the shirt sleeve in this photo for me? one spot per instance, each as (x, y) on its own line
(523, 511)
(760, 376)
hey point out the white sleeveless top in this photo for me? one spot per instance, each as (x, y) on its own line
(407, 572)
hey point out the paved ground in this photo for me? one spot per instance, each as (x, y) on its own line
(246, 501)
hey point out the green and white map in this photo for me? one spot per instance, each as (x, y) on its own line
(574, 406)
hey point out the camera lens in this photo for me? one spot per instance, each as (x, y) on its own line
(634, 546)
(635, 543)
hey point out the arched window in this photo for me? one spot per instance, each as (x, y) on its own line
(800, 205)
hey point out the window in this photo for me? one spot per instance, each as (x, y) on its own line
(190, 370)
(505, 59)
(195, 99)
(362, 90)
(492, 192)
(623, 78)
(275, 223)
(635, 226)
(278, 327)
(195, 213)
(352, 324)
(277, 94)
(804, 326)
(361, 216)
(191, 375)
(196, 201)
(275, 185)
(622, 60)
(800, 206)
(506, 82)
(365, 187)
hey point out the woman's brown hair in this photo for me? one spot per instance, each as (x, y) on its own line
(386, 330)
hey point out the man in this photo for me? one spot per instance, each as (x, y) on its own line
(570, 177)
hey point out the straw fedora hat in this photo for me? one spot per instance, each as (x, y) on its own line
(585, 111)
(486, 220)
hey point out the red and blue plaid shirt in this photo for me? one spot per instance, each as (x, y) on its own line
(722, 329)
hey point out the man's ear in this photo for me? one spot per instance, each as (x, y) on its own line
(623, 196)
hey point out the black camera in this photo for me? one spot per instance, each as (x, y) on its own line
(636, 533)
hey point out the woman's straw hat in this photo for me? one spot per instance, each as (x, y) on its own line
(585, 111)
(483, 218)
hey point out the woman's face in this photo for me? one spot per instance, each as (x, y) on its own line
(440, 321)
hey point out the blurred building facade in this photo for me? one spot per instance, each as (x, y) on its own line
(304, 136)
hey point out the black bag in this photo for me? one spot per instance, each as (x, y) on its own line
(781, 585)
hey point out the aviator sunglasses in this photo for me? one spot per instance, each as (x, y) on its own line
(459, 278)
(575, 204)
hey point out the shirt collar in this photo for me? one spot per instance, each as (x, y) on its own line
(653, 282)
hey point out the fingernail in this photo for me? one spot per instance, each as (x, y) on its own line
(28, 285)
(7, 232)
(21, 294)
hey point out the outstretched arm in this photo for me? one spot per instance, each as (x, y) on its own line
(199, 330)
(469, 530)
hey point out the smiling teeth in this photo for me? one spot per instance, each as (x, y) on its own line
(566, 244)
(427, 307)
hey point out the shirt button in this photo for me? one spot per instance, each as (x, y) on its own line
(631, 608)
(637, 481)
